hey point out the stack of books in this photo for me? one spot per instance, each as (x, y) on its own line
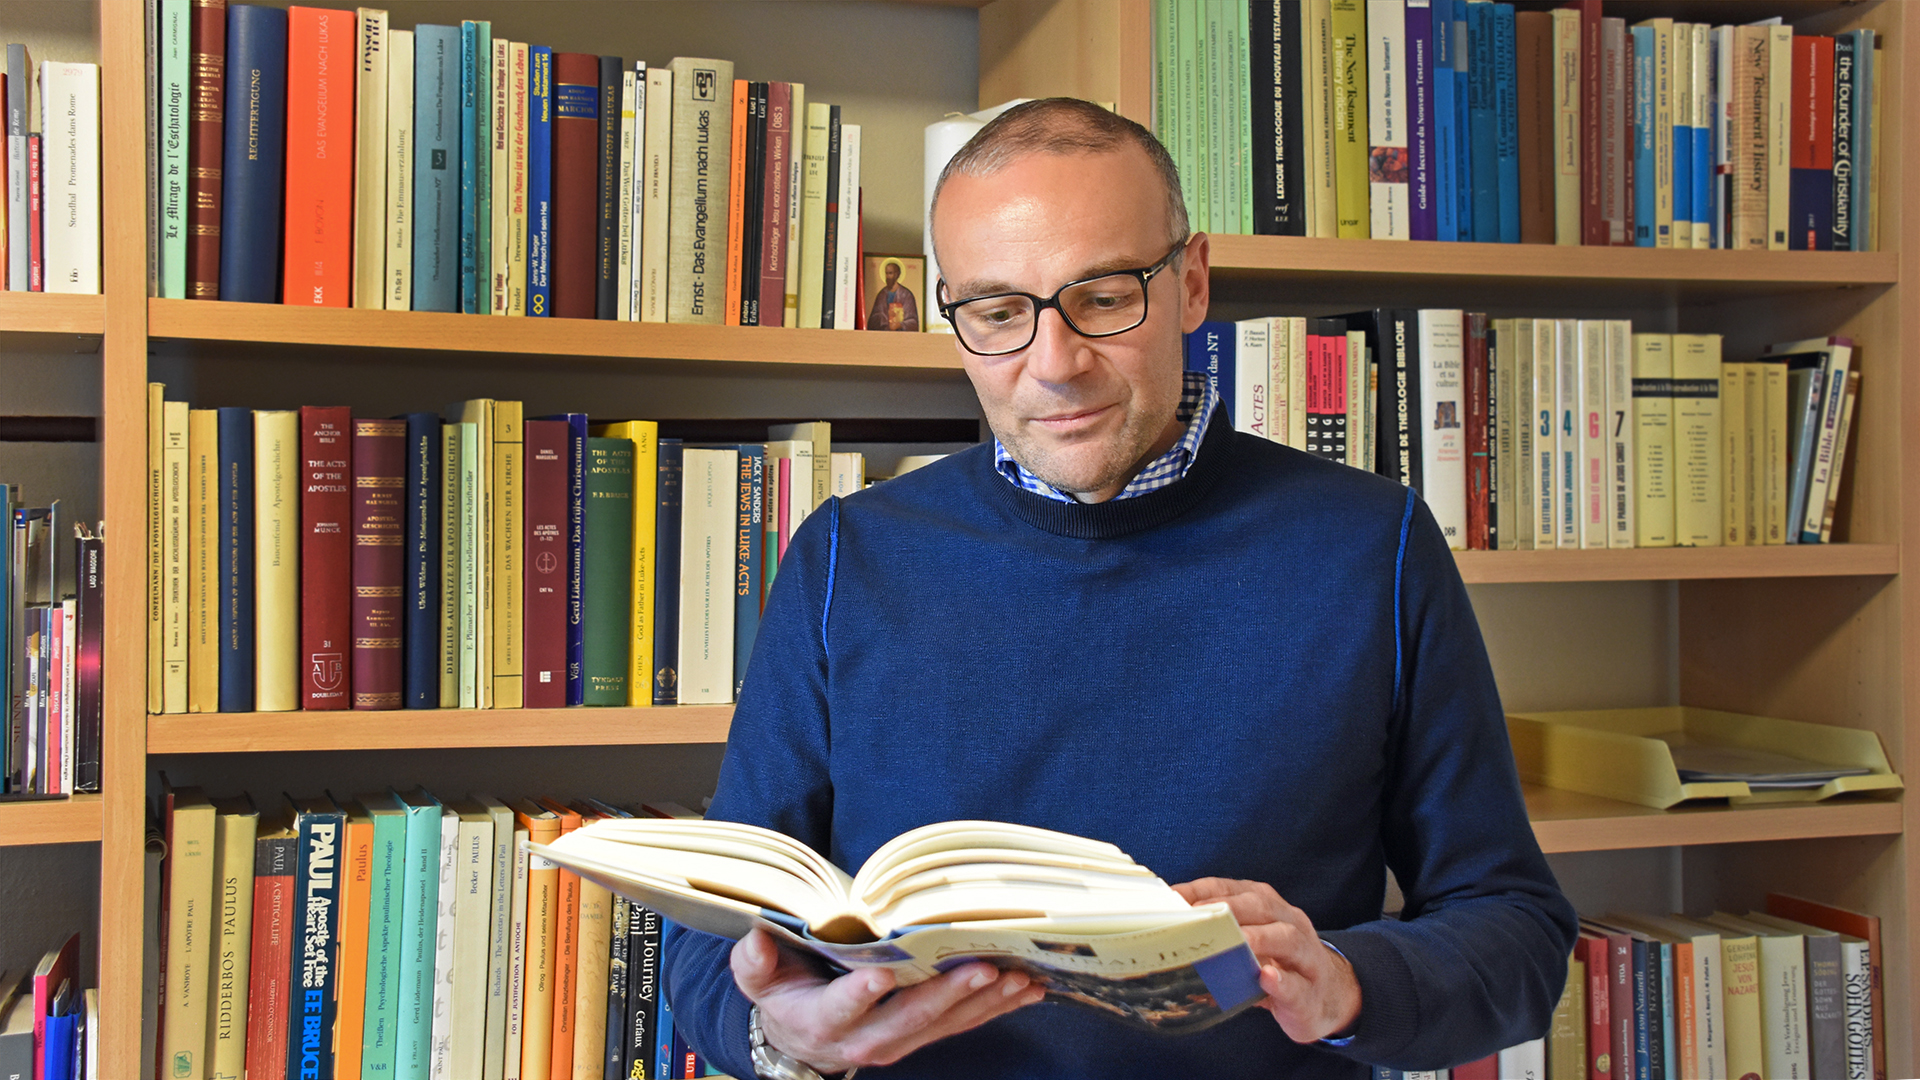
(50, 598)
(50, 231)
(49, 1024)
(310, 559)
(1467, 120)
(1554, 433)
(450, 170)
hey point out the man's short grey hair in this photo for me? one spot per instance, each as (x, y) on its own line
(1064, 125)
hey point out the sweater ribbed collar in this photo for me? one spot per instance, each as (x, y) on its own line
(1122, 517)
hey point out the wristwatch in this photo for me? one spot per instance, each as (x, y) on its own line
(771, 1064)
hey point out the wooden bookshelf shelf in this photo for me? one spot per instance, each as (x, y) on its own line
(406, 729)
(52, 313)
(275, 324)
(1663, 564)
(74, 820)
(1569, 821)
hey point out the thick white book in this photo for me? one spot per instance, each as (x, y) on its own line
(70, 209)
(655, 175)
(1250, 409)
(1387, 166)
(1592, 420)
(472, 939)
(1567, 57)
(370, 159)
(500, 240)
(846, 264)
(176, 45)
(514, 184)
(447, 907)
(499, 937)
(1653, 470)
(1620, 492)
(276, 559)
(399, 223)
(1567, 477)
(1277, 364)
(1545, 507)
(1697, 495)
(1527, 1061)
(623, 198)
(707, 494)
(1443, 458)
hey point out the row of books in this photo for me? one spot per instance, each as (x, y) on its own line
(50, 230)
(49, 1023)
(1554, 433)
(457, 171)
(1467, 120)
(313, 560)
(50, 597)
(396, 935)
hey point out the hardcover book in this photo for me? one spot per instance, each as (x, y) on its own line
(545, 625)
(255, 143)
(276, 503)
(380, 556)
(608, 607)
(326, 545)
(702, 117)
(421, 598)
(319, 234)
(316, 946)
(576, 137)
(234, 568)
(370, 161)
(607, 216)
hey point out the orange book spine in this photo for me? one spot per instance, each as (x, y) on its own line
(1688, 1016)
(543, 922)
(356, 900)
(566, 949)
(736, 201)
(319, 216)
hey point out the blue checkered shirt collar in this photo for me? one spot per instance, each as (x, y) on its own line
(1198, 399)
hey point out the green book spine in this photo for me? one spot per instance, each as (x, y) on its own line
(483, 169)
(1350, 146)
(607, 597)
(419, 921)
(175, 65)
(1206, 91)
(386, 880)
(1186, 47)
(1243, 129)
(1223, 101)
(452, 440)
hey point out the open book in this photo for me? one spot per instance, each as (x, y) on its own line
(1077, 915)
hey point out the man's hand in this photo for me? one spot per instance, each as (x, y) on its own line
(837, 1024)
(1310, 988)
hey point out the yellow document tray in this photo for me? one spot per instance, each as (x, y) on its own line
(1623, 753)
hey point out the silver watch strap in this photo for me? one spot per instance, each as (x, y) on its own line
(771, 1064)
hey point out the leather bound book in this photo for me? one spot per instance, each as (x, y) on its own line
(206, 122)
(379, 559)
(326, 508)
(548, 493)
(1533, 38)
(576, 183)
(319, 220)
(251, 178)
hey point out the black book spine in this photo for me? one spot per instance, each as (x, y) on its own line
(750, 210)
(833, 218)
(421, 611)
(1846, 90)
(1402, 330)
(606, 304)
(1278, 124)
(643, 989)
(614, 1054)
(666, 577)
(89, 626)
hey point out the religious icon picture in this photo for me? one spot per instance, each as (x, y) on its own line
(892, 303)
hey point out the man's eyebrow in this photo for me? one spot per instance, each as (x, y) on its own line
(969, 289)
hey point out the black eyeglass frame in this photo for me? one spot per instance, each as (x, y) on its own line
(1145, 274)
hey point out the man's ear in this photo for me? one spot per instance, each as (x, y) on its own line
(1195, 285)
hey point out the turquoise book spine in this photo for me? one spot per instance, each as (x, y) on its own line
(419, 907)
(386, 888)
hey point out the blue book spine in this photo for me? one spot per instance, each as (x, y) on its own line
(1642, 1049)
(484, 121)
(576, 554)
(1845, 116)
(419, 911)
(236, 623)
(421, 685)
(663, 1036)
(1506, 110)
(387, 880)
(316, 895)
(749, 541)
(1446, 170)
(471, 93)
(436, 167)
(1669, 1020)
(1422, 223)
(1462, 47)
(539, 179)
(1862, 151)
(1484, 123)
(1682, 170)
(254, 154)
(1210, 350)
(1806, 376)
(1700, 173)
(666, 576)
(59, 1059)
(1644, 180)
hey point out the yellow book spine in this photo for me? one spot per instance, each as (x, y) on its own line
(203, 546)
(183, 1037)
(590, 985)
(1350, 146)
(1733, 440)
(450, 439)
(1753, 445)
(1696, 419)
(1740, 963)
(276, 560)
(233, 837)
(1777, 464)
(156, 551)
(356, 902)
(1653, 439)
(1779, 134)
(480, 413)
(508, 584)
(173, 643)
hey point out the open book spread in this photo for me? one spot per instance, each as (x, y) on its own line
(1079, 916)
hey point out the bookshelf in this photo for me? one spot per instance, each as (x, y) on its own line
(1809, 633)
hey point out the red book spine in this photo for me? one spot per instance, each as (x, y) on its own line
(1487, 1068)
(326, 509)
(1593, 227)
(545, 621)
(576, 184)
(206, 128)
(1476, 433)
(1592, 950)
(786, 485)
(379, 562)
(36, 209)
(319, 215)
(267, 1005)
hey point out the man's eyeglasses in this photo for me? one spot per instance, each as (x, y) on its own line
(1094, 307)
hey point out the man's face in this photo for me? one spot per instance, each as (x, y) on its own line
(893, 274)
(1083, 414)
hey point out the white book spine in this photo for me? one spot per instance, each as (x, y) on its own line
(1620, 493)
(1779, 135)
(472, 926)
(175, 44)
(499, 939)
(623, 197)
(515, 184)
(1278, 403)
(500, 207)
(847, 255)
(70, 96)
(1566, 126)
(1297, 381)
(1710, 1036)
(399, 221)
(1566, 460)
(1546, 396)
(654, 177)
(1252, 411)
(1443, 462)
(447, 907)
(1783, 1004)
(1359, 397)
(1517, 487)
(1856, 978)
(708, 488)
(1592, 421)
(1527, 1061)
(517, 958)
(1387, 123)
(370, 160)
(796, 170)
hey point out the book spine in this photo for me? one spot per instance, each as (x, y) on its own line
(1387, 131)
(1593, 136)
(813, 211)
(614, 1048)
(1779, 106)
(203, 504)
(1591, 419)
(399, 149)
(702, 118)
(1616, 129)
(517, 166)
(381, 1006)
(1568, 144)
(276, 502)
(831, 232)
(471, 901)
(656, 175)
(1738, 514)
(1645, 135)
(1479, 403)
(1446, 164)
(436, 168)
(500, 189)
(449, 540)
(313, 977)
(506, 520)
(421, 604)
(233, 572)
(500, 945)
(370, 161)
(175, 554)
(1623, 525)
(1483, 124)
(319, 233)
(643, 985)
(1443, 464)
(607, 139)
(1811, 200)
(36, 213)
(326, 472)
(1679, 51)
(176, 74)
(1326, 389)
(1533, 115)
(633, 89)
(1696, 419)
(475, 692)
(445, 914)
(666, 577)
(380, 552)
(576, 536)
(846, 265)
(1422, 191)
(482, 146)
(708, 496)
(189, 930)
(1568, 434)
(548, 490)
(775, 171)
(743, 98)
(420, 898)
(1845, 116)
(539, 180)
(255, 150)
(474, 93)
(749, 544)
(206, 127)
(1545, 416)
(234, 837)
(90, 632)
(1506, 124)
(1839, 456)
(608, 607)
(268, 988)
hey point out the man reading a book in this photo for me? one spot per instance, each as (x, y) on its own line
(1255, 671)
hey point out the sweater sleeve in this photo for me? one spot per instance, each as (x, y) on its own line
(774, 774)
(1477, 960)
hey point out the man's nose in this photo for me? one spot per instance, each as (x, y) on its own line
(1058, 353)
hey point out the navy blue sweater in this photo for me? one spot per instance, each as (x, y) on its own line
(1269, 670)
